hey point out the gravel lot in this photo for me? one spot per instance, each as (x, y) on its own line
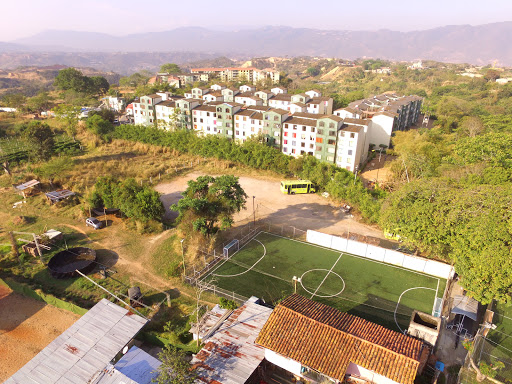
(26, 327)
(301, 211)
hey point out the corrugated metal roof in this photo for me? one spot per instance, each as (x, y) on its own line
(84, 348)
(230, 355)
(29, 184)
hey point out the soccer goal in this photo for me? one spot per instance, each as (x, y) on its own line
(232, 248)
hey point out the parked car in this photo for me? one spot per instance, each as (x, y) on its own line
(93, 222)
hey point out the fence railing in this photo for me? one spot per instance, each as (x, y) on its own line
(221, 292)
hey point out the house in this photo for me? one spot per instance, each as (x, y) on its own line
(144, 110)
(247, 88)
(213, 96)
(248, 98)
(229, 94)
(230, 355)
(264, 95)
(278, 90)
(117, 104)
(205, 119)
(312, 340)
(83, 352)
(281, 101)
(217, 87)
(313, 93)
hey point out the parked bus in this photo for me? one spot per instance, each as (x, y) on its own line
(291, 187)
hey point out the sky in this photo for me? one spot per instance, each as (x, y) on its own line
(20, 19)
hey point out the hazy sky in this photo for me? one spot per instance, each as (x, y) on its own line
(121, 17)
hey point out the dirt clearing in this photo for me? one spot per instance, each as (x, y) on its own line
(26, 327)
(301, 211)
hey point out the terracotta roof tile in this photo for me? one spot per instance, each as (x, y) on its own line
(327, 340)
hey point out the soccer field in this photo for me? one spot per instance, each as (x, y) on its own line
(379, 292)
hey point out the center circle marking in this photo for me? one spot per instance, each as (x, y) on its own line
(329, 272)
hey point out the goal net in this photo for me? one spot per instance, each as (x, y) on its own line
(230, 249)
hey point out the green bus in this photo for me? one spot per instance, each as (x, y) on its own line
(291, 187)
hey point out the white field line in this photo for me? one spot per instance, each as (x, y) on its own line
(435, 299)
(328, 273)
(398, 303)
(241, 273)
(221, 264)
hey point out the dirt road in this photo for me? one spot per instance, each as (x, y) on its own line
(301, 211)
(26, 327)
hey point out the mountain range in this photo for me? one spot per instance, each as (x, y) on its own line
(482, 44)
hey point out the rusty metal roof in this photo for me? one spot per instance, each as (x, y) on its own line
(230, 355)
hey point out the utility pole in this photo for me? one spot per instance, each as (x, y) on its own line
(183, 255)
(253, 212)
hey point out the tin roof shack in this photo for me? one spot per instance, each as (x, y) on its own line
(58, 195)
(230, 355)
(45, 240)
(30, 188)
(83, 351)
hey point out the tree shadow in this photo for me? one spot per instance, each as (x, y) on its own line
(168, 200)
(15, 309)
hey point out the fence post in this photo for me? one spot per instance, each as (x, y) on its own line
(294, 232)
(233, 295)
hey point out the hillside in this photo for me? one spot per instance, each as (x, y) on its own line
(480, 44)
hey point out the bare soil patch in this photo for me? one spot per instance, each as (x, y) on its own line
(378, 171)
(301, 211)
(26, 327)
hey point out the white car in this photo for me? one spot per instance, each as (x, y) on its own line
(93, 222)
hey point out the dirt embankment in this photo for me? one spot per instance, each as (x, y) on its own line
(26, 327)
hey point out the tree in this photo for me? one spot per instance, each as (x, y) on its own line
(313, 71)
(174, 368)
(170, 68)
(14, 100)
(42, 102)
(71, 78)
(53, 168)
(99, 126)
(491, 75)
(68, 114)
(209, 203)
(98, 85)
(40, 137)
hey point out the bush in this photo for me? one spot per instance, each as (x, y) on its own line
(228, 304)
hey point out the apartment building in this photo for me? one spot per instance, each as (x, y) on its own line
(252, 75)
(296, 124)
(387, 113)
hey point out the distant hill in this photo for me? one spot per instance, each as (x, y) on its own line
(480, 44)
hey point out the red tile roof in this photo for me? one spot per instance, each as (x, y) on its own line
(327, 340)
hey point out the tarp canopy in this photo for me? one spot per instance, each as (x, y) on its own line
(465, 305)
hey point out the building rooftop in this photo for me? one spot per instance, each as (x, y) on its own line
(301, 121)
(258, 108)
(230, 355)
(327, 340)
(135, 367)
(84, 349)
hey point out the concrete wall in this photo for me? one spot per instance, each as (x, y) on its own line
(283, 362)
(388, 256)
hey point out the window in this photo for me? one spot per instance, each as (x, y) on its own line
(237, 125)
(349, 152)
(332, 133)
(330, 150)
(227, 110)
(349, 160)
(303, 145)
(276, 118)
(294, 135)
(303, 136)
(320, 131)
(311, 146)
(285, 142)
(330, 158)
(319, 148)
(237, 133)
(313, 129)
(285, 134)
(331, 142)
(267, 117)
(219, 109)
(252, 121)
(304, 128)
(331, 125)
(286, 125)
(285, 149)
(294, 143)
(342, 134)
(201, 121)
(294, 127)
(350, 143)
(321, 124)
(319, 140)
(352, 135)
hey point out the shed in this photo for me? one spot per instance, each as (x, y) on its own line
(82, 351)
(58, 195)
(28, 188)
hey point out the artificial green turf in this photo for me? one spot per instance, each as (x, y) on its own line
(371, 290)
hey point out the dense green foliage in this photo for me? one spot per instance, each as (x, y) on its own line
(227, 304)
(99, 126)
(135, 201)
(209, 203)
(40, 138)
(175, 368)
(170, 68)
(72, 79)
(259, 156)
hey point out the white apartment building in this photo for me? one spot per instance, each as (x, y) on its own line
(248, 99)
(229, 94)
(166, 114)
(248, 123)
(205, 119)
(299, 136)
(214, 96)
(351, 147)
